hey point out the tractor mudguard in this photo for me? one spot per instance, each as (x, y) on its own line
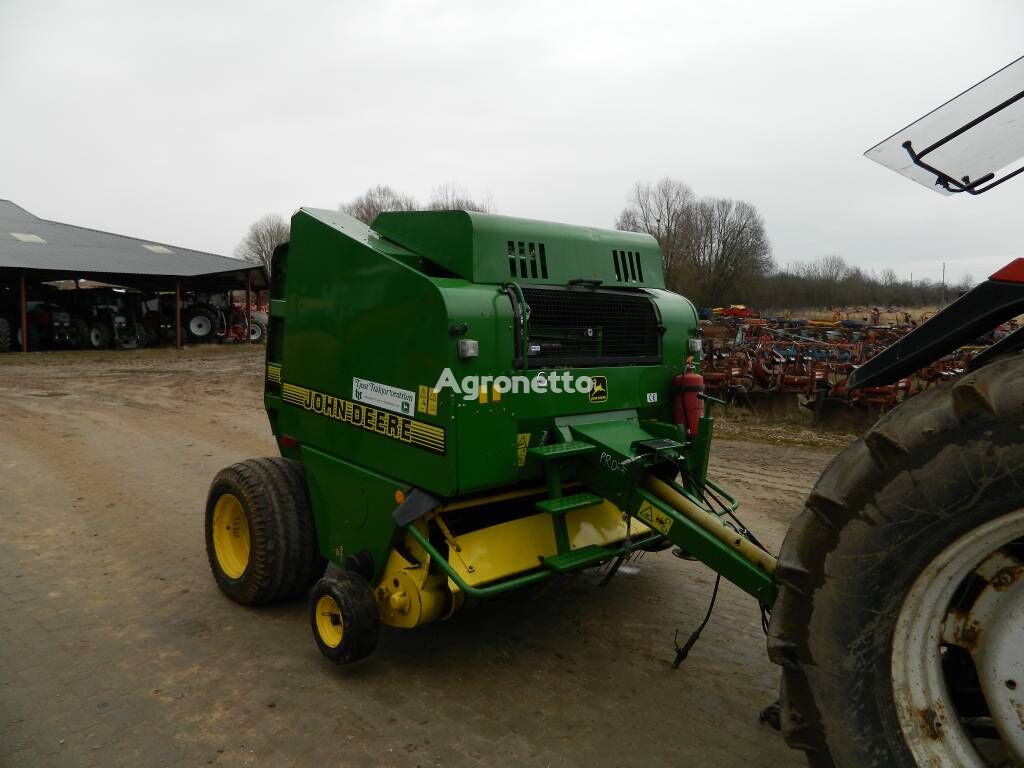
(979, 310)
(1013, 342)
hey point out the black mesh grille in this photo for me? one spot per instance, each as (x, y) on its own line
(592, 327)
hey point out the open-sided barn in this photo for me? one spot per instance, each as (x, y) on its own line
(152, 292)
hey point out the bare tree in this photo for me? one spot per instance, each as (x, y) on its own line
(832, 267)
(711, 249)
(729, 247)
(264, 235)
(450, 197)
(377, 200)
(665, 211)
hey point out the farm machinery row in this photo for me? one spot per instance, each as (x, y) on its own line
(121, 318)
(775, 364)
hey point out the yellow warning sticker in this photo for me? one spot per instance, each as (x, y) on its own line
(522, 443)
(432, 404)
(421, 400)
(654, 517)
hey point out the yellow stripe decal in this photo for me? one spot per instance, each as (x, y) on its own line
(274, 373)
(391, 425)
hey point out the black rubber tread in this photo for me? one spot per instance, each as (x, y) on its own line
(260, 486)
(927, 472)
(311, 564)
(287, 511)
(5, 335)
(359, 612)
(81, 332)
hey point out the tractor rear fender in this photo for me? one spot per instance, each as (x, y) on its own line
(979, 310)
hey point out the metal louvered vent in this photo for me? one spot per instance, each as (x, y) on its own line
(628, 268)
(591, 327)
(527, 259)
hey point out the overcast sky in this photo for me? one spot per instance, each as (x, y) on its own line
(184, 121)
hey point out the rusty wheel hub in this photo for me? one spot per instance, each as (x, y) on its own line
(970, 599)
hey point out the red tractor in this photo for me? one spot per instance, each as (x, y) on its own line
(900, 621)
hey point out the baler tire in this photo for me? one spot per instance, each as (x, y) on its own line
(310, 564)
(345, 599)
(929, 472)
(261, 488)
(5, 335)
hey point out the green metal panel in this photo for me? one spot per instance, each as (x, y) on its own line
(357, 309)
(485, 248)
(347, 507)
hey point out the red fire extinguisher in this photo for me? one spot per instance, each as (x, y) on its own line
(687, 405)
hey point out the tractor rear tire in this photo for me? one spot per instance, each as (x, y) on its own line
(344, 617)
(200, 326)
(939, 469)
(5, 335)
(252, 541)
(99, 336)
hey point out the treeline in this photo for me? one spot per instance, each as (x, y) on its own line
(830, 282)
(716, 252)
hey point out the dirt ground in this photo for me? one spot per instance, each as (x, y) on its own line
(116, 648)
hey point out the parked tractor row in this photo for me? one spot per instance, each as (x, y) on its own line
(121, 318)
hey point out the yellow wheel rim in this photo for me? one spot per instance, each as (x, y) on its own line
(231, 536)
(329, 624)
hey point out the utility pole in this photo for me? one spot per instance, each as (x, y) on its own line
(943, 282)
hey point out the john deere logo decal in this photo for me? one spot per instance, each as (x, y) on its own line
(391, 425)
(598, 389)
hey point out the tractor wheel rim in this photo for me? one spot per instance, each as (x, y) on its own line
(231, 542)
(991, 629)
(329, 624)
(255, 332)
(95, 337)
(199, 325)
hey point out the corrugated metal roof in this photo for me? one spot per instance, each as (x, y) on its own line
(83, 251)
